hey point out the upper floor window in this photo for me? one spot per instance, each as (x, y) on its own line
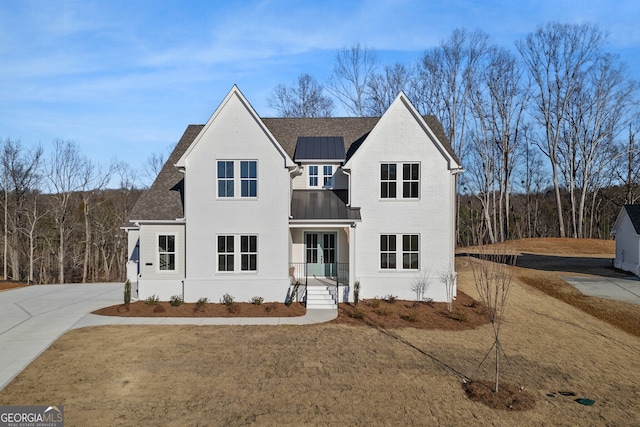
(167, 252)
(313, 176)
(409, 181)
(327, 176)
(225, 179)
(237, 177)
(248, 179)
(388, 180)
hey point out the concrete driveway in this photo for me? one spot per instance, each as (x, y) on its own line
(32, 318)
(622, 289)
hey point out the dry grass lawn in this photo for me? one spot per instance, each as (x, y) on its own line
(342, 374)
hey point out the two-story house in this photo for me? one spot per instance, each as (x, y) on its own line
(247, 205)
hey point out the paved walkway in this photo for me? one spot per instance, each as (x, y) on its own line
(32, 318)
(622, 289)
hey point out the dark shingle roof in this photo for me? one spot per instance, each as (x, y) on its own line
(163, 200)
(319, 148)
(634, 215)
(322, 205)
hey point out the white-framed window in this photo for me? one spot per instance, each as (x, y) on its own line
(388, 180)
(313, 176)
(167, 252)
(248, 253)
(237, 253)
(248, 178)
(409, 180)
(388, 251)
(408, 251)
(226, 260)
(237, 179)
(327, 176)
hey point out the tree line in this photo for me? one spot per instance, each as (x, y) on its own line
(545, 131)
(61, 222)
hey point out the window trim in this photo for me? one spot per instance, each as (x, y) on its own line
(159, 253)
(237, 253)
(237, 178)
(398, 182)
(399, 252)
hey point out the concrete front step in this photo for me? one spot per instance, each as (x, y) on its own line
(319, 297)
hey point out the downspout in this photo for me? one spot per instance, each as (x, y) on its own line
(184, 214)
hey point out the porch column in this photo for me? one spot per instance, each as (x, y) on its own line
(352, 254)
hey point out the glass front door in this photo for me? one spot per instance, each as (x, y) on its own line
(321, 254)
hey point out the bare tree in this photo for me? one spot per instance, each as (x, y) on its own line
(352, 74)
(21, 174)
(67, 171)
(492, 275)
(150, 168)
(558, 56)
(306, 99)
(384, 88)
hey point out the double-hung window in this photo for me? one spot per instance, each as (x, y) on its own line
(248, 253)
(248, 179)
(408, 251)
(388, 180)
(327, 176)
(313, 176)
(237, 253)
(388, 251)
(225, 179)
(403, 175)
(167, 252)
(226, 260)
(237, 179)
(410, 180)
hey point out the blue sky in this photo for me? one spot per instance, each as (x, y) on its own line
(123, 79)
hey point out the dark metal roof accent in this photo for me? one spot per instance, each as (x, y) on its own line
(324, 205)
(319, 148)
(163, 201)
(634, 215)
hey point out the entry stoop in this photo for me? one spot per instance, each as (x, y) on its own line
(321, 297)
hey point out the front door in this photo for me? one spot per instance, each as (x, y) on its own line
(321, 254)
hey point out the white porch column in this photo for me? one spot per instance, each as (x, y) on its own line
(352, 256)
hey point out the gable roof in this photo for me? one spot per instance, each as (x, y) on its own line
(163, 200)
(319, 148)
(634, 215)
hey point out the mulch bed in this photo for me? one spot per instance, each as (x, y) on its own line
(237, 309)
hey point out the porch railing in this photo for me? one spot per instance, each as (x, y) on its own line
(337, 272)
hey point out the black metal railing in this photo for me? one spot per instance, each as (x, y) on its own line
(337, 272)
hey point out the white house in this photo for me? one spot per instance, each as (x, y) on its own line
(248, 205)
(626, 231)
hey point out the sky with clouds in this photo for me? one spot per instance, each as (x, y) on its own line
(123, 78)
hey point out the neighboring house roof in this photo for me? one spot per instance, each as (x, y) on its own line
(325, 205)
(163, 200)
(319, 148)
(634, 215)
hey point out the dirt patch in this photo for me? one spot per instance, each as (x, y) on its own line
(11, 285)
(238, 309)
(509, 397)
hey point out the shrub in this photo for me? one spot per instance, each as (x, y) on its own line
(202, 301)
(374, 303)
(391, 299)
(152, 300)
(412, 317)
(127, 293)
(458, 315)
(384, 311)
(356, 314)
(356, 292)
(227, 300)
(257, 300)
(176, 300)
